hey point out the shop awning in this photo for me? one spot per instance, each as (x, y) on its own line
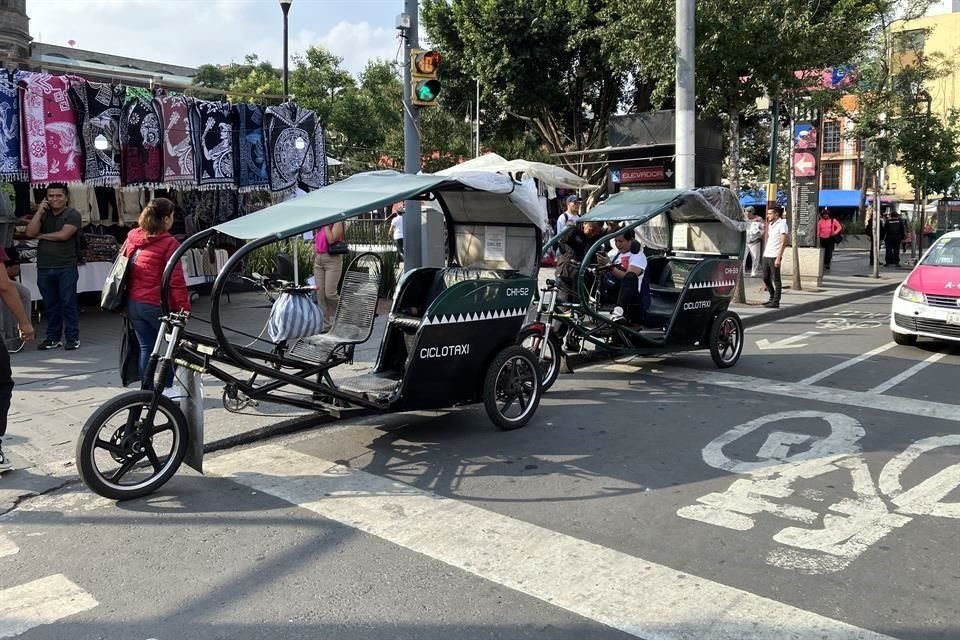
(758, 198)
(839, 198)
(481, 198)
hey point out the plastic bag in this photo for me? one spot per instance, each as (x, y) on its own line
(293, 316)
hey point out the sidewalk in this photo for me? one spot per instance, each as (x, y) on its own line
(850, 278)
(57, 391)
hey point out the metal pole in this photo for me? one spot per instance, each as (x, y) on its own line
(685, 126)
(774, 135)
(412, 244)
(478, 119)
(286, 74)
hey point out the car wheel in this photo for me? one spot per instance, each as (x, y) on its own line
(906, 339)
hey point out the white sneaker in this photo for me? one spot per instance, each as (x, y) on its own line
(617, 314)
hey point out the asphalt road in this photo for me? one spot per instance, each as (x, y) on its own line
(809, 492)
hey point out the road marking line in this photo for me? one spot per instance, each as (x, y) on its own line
(848, 363)
(912, 371)
(625, 592)
(7, 546)
(42, 601)
(798, 391)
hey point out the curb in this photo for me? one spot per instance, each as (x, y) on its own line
(817, 305)
(765, 317)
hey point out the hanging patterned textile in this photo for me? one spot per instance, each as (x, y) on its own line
(98, 108)
(212, 126)
(250, 161)
(140, 155)
(179, 168)
(314, 170)
(289, 132)
(11, 166)
(49, 121)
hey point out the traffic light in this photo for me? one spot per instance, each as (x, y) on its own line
(424, 77)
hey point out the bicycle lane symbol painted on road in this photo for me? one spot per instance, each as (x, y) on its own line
(847, 319)
(828, 539)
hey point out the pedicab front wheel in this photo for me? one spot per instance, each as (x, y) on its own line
(550, 363)
(512, 387)
(726, 339)
(121, 457)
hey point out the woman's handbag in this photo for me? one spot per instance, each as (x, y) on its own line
(338, 248)
(129, 355)
(113, 296)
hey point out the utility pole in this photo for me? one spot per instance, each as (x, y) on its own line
(686, 116)
(412, 238)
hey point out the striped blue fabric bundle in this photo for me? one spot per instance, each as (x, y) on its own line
(293, 316)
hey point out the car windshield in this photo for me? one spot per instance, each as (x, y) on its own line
(946, 253)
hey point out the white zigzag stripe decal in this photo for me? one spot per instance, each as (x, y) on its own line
(713, 285)
(475, 317)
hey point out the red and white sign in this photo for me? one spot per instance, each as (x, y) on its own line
(804, 165)
(643, 174)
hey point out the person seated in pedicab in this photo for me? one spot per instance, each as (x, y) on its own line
(624, 278)
(574, 249)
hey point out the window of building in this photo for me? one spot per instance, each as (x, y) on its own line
(857, 174)
(911, 40)
(830, 175)
(831, 137)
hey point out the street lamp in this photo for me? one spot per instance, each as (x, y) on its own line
(923, 100)
(285, 6)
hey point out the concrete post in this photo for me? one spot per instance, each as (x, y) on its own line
(412, 240)
(686, 116)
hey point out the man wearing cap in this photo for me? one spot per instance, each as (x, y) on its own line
(571, 216)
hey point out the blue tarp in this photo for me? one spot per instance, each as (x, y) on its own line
(839, 198)
(758, 198)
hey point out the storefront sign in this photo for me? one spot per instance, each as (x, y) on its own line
(644, 174)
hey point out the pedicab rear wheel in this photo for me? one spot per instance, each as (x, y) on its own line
(113, 459)
(550, 364)
(726, 339)
(512, 387)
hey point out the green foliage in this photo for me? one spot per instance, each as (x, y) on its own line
(540, 64)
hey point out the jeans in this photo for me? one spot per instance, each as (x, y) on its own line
(827, 244)
(771, 278)
(326, 275)
(629, 297)
(753, 251)
(145, 319)
(59, 290)
(6, 387)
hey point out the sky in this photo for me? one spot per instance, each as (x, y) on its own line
(195, 32)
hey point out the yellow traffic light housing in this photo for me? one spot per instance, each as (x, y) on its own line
(424, 77)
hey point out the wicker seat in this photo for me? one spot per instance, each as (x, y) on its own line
(356, 312)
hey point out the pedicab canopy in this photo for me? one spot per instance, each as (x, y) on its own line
(707, 220)
(495, 223)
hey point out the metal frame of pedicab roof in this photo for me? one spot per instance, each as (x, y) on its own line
(337, 203)
(638, 207)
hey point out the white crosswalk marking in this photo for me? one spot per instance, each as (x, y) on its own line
(847, 363)
(40, 602)
(800, 391)
(909, 373)
(625, 592)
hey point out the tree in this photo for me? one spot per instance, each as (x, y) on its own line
(318, 82)
(539, 62)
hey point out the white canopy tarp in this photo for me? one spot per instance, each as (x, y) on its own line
(548, 174)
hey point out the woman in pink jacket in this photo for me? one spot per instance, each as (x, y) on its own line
(828, 229)
(149, 248)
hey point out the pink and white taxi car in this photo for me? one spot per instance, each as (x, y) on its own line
(927, 304)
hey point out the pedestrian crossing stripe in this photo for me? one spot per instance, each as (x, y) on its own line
(625, 592)
(42, 601)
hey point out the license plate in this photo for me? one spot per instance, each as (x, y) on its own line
(953, 318)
